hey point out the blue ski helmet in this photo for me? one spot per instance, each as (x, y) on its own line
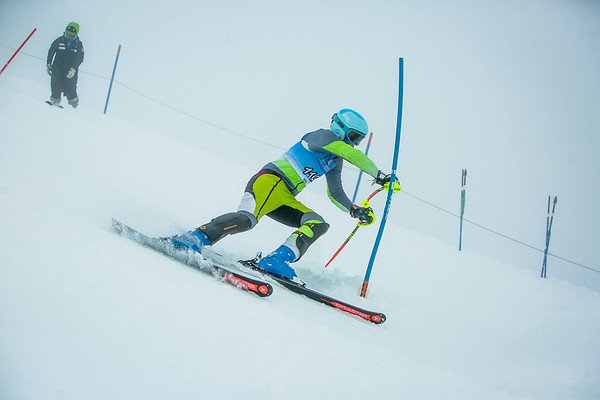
(349, 126)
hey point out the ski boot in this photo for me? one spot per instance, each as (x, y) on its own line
(278, 263)
(74, 102)
(191, 240)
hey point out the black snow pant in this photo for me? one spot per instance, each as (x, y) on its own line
(60, 84)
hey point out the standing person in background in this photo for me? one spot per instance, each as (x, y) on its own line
(64, 57)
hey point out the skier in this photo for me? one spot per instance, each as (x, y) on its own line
(64, 57)
(272, 192)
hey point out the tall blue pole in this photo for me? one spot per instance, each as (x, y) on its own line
(112, 78)
(360, 173)
(365, 285)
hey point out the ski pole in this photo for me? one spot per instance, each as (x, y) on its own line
(19, 49)
(365, 203)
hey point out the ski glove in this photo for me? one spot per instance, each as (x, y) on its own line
(49, 69)
(364, 214)
(71, 73)
(384, 180)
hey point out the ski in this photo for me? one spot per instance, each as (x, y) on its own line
(241, 281)
(53, 105)
(300, 288)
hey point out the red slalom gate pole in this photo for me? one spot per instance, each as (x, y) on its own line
(355, 229)
(19, 49)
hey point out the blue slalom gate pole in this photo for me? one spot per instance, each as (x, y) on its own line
(360, 173)
(363, 292)
(112, 78)
(546, 244)
(549, 220)
(463, 189)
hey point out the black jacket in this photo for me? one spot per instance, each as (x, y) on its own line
(62, 57)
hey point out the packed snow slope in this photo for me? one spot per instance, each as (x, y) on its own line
(87, 314)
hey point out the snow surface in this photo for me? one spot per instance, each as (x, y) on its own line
(85, 314)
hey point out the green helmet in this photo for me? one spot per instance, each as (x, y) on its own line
(72, 27)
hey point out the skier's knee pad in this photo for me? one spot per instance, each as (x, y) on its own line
(312, 217)
(226, 224)
(307, 234)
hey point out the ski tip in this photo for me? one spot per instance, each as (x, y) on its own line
(117, 225)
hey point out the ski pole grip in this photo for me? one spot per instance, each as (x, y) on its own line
(367, 204)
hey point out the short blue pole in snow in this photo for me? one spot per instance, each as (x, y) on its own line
(363, 292)
(112, 78)
(463, 188)
(360, 173)
(549, 220)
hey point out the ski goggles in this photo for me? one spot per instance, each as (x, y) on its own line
(70, 32)
(354, 136)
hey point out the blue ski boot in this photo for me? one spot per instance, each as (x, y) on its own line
(278, 262)
(191, 240)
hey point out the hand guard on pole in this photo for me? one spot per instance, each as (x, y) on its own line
(383, 179)
(364, 214)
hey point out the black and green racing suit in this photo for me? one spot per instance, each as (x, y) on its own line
(273, 190)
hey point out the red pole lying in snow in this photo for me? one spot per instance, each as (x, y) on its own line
(19, 49)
